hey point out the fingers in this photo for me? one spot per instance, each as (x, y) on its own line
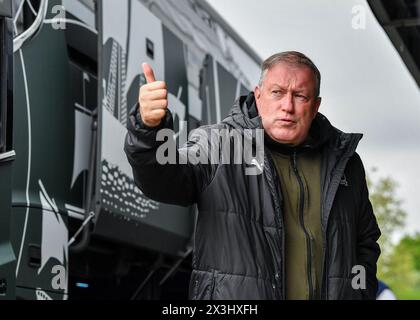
(154, 117)
(156, 104)
(148, 73)
(155, 94)
(155, 85)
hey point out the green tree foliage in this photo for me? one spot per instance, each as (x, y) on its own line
(396, 269)
(387, 208)
(412, 245)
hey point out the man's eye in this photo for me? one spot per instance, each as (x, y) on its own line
(300, 96)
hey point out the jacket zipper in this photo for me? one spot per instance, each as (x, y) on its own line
(283, 240)
(302, 223)
(280, 219)
(324, 285)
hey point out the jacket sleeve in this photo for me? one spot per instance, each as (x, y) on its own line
(368, 233)
(178, 182)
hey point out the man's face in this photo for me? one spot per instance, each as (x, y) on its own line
(287, 103)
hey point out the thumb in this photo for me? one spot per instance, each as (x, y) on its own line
(148, 73)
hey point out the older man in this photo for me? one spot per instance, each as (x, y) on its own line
(303, 229)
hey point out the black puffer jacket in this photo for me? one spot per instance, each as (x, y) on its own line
(239, 238)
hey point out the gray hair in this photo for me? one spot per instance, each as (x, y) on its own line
(292, 58)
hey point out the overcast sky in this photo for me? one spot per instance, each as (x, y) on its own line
(365, 86)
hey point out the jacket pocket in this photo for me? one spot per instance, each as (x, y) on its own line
(197, 284)
(195, 292)
(203, 284)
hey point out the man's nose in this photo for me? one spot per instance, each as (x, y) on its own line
(287, 103)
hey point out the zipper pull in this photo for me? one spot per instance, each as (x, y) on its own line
(294, 161)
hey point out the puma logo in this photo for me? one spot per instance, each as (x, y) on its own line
(344, 181)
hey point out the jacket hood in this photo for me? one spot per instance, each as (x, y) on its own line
(244, 114)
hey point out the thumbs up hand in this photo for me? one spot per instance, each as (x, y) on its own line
(153, 99)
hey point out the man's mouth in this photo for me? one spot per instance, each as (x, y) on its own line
(286, 121)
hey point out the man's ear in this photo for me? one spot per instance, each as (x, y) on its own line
(257, 92)
(317, 105)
